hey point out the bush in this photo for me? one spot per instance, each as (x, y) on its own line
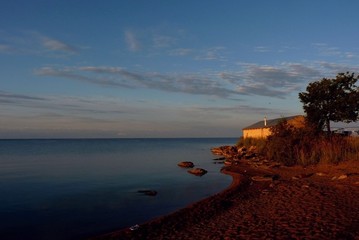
(259, 143)
(281, 144)
(304, 146)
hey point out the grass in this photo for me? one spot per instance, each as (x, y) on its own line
(293, 146)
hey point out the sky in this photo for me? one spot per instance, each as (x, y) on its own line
(131, 68)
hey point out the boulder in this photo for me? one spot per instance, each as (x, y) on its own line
(186, 164)
(197, 171)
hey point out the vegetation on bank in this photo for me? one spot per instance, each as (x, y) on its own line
(324, 101)
(301, 146)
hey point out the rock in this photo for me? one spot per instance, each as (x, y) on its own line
(261, 179)
(218, 162)
(197, 171)
(227, 162)
(186, 164)
(275, 165)
(134, 227)
(321, 174)
(344, 176)
(236, 153)
(148, 192)
(303, 175)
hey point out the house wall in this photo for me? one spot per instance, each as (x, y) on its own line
(256, 133)
(297, 122)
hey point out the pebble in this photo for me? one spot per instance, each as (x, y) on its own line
(321, 174)
(134, 227)
(344, 176)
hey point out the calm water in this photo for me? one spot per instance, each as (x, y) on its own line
(71, 189)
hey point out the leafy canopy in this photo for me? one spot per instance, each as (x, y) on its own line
(334, 100)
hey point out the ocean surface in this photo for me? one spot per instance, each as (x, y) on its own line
(76, 188)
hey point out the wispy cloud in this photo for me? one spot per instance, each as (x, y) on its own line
(11, 97)
(330, 69)
(327, 50)
(119, 77)
(262, 49)
(80, 106)
(271, 81)
(277, 81)
(180, 52)
(57, 45)
(132, 41)
(162, 41)
(214, 53)
(34, 43)
(5, 48)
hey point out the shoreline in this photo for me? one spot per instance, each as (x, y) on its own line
(297, 205)
(238, 181)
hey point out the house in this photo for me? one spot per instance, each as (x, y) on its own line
(261, 129)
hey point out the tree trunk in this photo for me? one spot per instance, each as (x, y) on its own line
(328, 126)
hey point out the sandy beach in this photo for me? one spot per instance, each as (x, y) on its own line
(318, 202)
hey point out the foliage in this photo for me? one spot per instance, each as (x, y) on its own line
(259, 143)
(303, 146)
(280, 143)
(331, 100)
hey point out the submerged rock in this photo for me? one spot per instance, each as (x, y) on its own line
(186, 164)
(148, 192)
(197, 171)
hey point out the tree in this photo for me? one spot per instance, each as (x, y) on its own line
(334, 100)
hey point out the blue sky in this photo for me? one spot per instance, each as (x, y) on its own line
(164, 68)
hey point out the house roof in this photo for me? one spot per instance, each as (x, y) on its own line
(270, 122)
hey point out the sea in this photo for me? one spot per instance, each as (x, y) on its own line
(78, 188)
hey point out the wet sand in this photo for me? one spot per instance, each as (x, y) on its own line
(320, 202)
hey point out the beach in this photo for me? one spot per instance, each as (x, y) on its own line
(316, 202)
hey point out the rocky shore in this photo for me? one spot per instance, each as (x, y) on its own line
(265, 201)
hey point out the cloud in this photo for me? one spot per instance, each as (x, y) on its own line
(81, 74)
(162, 41)
(33, 43)
(271, 81)
(330, 51)
(65, 105)
(132, 42)
(180, 52)
(214, 53)
(11, 97)
(119, 77)
(262, 49)
(277, 81)
(332, 69)
(57, 45)
(5, 48)
(234, 109)
(326, 50)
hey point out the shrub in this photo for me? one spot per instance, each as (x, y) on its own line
(304, 146)
(259, 143)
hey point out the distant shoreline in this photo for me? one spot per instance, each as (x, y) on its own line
(114, 138)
